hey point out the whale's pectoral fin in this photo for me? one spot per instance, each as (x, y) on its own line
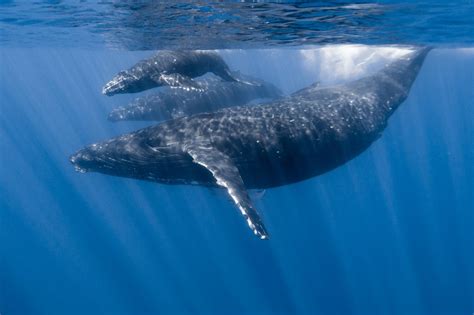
(227, 176)
(176, 80)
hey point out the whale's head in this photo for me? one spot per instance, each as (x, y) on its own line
(121, 83)
(121, 156)
(94, 158)
(138, 155)
(129, 81)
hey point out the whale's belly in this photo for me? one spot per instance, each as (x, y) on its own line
(293, 159)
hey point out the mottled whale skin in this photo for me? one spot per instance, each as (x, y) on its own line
(168, 68)
(309, 133)
(213, 94)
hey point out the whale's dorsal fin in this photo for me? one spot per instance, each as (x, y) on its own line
(176, 80)
(227, 176)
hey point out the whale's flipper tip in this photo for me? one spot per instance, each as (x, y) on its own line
(227, 176)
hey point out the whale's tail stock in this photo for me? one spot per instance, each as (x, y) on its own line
(394, 81)
(405, 70)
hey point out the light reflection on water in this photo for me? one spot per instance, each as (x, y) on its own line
(231, 24)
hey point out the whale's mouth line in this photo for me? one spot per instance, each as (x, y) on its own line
(77, 168)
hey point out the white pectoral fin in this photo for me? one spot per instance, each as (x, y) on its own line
(227, 176)
(176, 80)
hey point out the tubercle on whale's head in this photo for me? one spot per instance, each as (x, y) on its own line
(123, 82)
(124, 156)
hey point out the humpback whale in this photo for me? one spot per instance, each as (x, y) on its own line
(285, 141)
(168, 68)
(213, 94)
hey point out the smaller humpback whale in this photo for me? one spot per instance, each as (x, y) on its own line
(213, 94)
(256, 147)
(168, 68)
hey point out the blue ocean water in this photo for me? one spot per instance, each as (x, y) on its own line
(390, 232)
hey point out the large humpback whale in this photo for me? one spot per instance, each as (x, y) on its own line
(213, 94)
(312, 132)
(168, 68)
